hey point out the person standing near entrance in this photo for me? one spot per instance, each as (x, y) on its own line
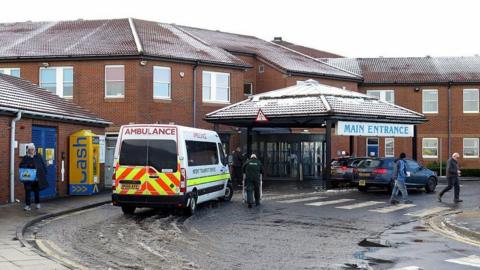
(34, 161)
(237, 162)
(453, 172)
(400, 176)
(253, 171)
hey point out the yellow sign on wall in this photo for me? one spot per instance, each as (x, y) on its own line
(84, 165)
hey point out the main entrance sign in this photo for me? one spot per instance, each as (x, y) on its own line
(373, 129)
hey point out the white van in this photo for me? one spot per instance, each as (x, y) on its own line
(169, 166)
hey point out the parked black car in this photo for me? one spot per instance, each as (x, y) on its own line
(378, 172)
(341, 170)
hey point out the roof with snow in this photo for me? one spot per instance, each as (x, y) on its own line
(21, 95)
(309, 104)
(315, 53)
(412, 70)
(107, 38)
(283, 57)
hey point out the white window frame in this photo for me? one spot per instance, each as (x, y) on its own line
(105, 81)
(478, 143)
(251, 88)
(392, 140)
(58, 79)
(423, 100)
(423, 147)
(261, 68)
(169, 82)
(378, 146)
(213, 87)
(383, 94)
(470, 90)
(8, 71)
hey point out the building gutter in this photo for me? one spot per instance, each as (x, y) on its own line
(194, 102)
(12, 155)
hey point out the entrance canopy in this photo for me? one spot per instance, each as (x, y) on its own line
(310, 104)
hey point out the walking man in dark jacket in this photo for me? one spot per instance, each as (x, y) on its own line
(237, 162)
(253, 170)
(453, 172)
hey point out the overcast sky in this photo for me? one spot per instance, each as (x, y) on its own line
(353, 28)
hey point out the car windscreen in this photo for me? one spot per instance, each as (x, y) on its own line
(160, 154)
(370, 163)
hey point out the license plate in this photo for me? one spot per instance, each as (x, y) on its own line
(364, 174)
(361, 183)
(130, 186)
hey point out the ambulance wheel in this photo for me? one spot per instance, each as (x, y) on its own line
(362, 188)
(228, 193)
(128, 210)
(192, 206)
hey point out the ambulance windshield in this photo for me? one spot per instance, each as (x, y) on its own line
(160, 154)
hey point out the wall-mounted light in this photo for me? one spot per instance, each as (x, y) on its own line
(416, 89)
(182, 74)
(143, 63)
(45, 64)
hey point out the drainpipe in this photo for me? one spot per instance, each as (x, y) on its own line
(12, 155)
(194, 103)
(449, 105)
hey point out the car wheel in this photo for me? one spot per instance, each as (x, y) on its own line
(228, 193)
(192, 206)
(128, 210)
(431, 185)
(362, 188)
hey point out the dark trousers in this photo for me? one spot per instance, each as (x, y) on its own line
(452, 182)
(253, 188)
(237, 175)
(29, 187)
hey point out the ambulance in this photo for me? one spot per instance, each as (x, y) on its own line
(169, 166)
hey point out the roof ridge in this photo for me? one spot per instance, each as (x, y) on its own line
(316, 60)
(191, 35)
(230, 33)
(136, 37)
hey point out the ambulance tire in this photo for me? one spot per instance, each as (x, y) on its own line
(128, 210)
(228, 193)
(192, 205)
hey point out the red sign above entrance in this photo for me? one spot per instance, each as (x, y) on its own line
(261, 116)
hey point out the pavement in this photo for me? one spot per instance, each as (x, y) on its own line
(17, 254)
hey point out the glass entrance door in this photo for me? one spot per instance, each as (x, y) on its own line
(312, 159)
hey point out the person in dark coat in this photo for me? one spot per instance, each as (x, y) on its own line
(237, 163)
(253, 170)
(34, 161)
(453, 172)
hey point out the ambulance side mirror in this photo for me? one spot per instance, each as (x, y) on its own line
(180, 158)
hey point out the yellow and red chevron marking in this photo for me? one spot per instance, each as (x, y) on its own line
(163, 184)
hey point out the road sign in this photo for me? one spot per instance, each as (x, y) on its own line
(261, 116)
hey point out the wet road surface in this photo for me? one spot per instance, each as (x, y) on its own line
(307, 230)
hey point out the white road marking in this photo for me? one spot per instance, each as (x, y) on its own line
(392, 208)
(427, 212)
(279, 197)
(303, 199)
(329, 202)
(473, 260)
(408, 268)
(359, 205)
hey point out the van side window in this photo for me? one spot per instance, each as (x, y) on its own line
(201, 153)
(222, 154)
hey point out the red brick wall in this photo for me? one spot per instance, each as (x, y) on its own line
(24, 135)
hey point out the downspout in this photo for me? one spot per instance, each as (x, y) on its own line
(194, 103)
(449, 103)
(12, 155)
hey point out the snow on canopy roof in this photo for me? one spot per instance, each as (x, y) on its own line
(312, 99)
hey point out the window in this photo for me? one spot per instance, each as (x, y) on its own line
(383, 95)
(470, 147)
(372, 147)
(216, 86)
(10, 71)
(201, 153)
(470, 100)
(160, 154)
(430, 147)
(115, 81)
(261, 68)
(161, 82)
(248, 89)
(58, 80)
(412, 166)
(221, 150)
(430, 101)
(389, 147)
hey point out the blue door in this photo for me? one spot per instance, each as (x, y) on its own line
(45, 140)
(372, 147)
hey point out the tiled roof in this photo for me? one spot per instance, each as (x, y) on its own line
(283, 57)
(306, 50)
(19, 94)
(412, 69)
(312, 99)
(106, 38)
